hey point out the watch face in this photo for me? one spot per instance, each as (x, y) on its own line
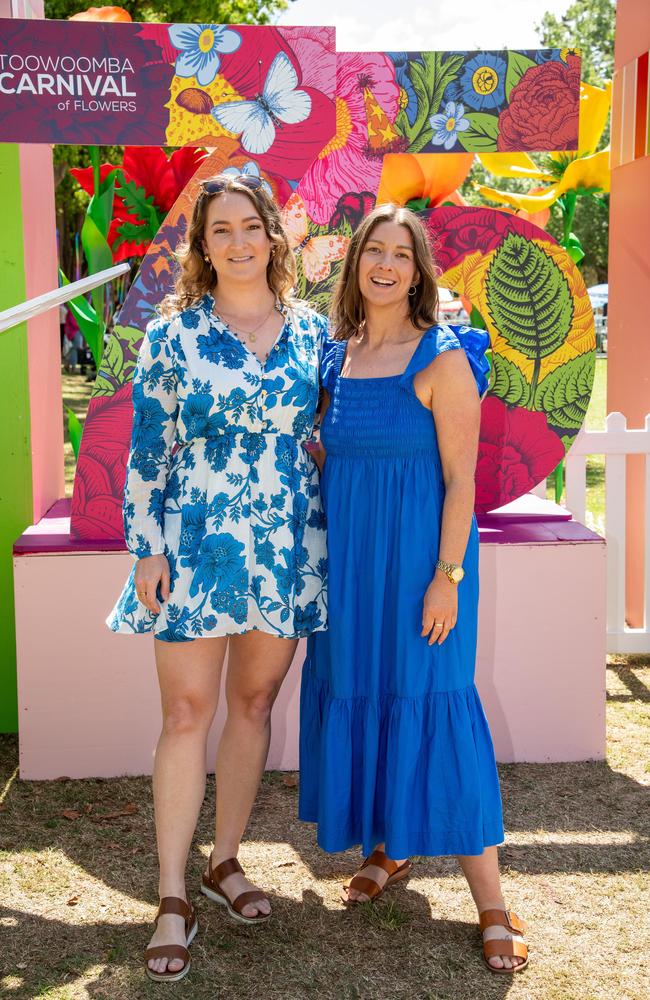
(457, 574)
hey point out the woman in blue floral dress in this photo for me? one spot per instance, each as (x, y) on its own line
(223, 515)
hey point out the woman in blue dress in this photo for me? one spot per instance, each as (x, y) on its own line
(396, 753)
(223, 516)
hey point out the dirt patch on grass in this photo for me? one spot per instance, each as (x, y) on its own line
(78, 890)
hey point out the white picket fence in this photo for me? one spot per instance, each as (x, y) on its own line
(615, 443)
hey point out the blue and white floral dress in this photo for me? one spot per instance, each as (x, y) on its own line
(219, 482)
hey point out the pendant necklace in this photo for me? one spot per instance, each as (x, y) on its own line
(252, 333)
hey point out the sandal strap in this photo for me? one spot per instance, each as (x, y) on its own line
(170, 951)
(501, 946)
(223, 870)
(502, 918)
(177, 906)
(244, 898)
(381, 860)
(368, 886)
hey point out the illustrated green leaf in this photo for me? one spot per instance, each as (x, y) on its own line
(529, 299)
(120, 357)
(508, 382)
(139, 202)
(518, 64)
(481, 136)
(430, 79)
(564, 394)
(75, 430)
(130, 232)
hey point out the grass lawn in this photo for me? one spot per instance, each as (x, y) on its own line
(78, 886)
(76, 395)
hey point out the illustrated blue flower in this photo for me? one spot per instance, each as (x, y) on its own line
(218, 347)
(190, 318)
(253, 445)
(202, 46)
(220, 564)
(193, 528)
(447, 125)
(149, 418)
(482, 83)
(218, 450)
(306, 619)
(409, 100)
(157, 505)
(198, 417)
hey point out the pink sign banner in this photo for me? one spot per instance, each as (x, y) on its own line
(166, 84)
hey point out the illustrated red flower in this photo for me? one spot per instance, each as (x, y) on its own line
(543, 110)
(162, 178)
(516, 451)
(101, 468)
(458, 231)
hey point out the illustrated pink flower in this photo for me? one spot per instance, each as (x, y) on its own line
(516, 451)
(348, 162)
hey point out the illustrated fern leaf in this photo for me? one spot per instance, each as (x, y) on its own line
(564, 394)
(529, 300)
(508, 382)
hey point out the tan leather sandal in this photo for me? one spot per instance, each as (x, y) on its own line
(173, 904)
(510, 947)
(368, 886)
(211, 887)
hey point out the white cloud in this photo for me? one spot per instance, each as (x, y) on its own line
(443, 25)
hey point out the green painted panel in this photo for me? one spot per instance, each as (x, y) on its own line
(15, 453)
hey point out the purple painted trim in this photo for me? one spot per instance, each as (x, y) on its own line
(526, 521)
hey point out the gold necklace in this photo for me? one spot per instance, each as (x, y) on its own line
(251, 333)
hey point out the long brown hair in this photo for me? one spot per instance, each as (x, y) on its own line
(347, 313)
(197, 276)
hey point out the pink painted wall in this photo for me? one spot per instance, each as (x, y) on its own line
(89, 703)
(43, 344)
(628, 374)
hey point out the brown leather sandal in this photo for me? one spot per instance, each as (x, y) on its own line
(173, 904)
(509, 947)
(211, 887)
(368, 886)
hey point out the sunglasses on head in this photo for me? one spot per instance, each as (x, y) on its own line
(251, 181)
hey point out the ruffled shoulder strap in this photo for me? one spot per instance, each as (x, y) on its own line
(331, 362)
(441, 338)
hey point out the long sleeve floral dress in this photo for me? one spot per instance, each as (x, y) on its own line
(219, 482)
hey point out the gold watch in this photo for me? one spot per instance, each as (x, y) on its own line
(453, 572)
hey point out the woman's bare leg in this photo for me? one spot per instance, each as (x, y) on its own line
(189, 675)
(482, 874)
(257, 665)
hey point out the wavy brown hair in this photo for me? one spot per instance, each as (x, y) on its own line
(347, 312)
(197, 276)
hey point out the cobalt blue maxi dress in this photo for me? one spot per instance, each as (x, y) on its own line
(394, 745)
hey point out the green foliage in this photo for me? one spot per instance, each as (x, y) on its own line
(508, 382)
(591, 227)
(75, 430)
(118, 361)
(529, 298)
(518, 64)
(481, 136)
(430, 79)
(588, 25)
(170, 11)
(564, 394)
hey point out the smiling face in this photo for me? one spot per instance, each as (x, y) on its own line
(387, 266)
(235, 239)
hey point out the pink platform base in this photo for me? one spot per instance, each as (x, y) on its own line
(89, 702)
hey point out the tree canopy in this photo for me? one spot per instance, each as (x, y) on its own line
(588, 25)
(171, 11)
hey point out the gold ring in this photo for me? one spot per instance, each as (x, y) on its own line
(438, 624)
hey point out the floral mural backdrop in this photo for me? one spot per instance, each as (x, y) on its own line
(269, 101)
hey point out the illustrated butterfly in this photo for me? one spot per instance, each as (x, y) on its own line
(318, 252)
(279, 104)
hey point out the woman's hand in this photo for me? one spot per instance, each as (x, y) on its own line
(440, 609)
(149, 572)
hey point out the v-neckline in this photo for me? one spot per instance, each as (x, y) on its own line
(215, 317)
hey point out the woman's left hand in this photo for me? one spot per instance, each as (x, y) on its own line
(440, 609)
